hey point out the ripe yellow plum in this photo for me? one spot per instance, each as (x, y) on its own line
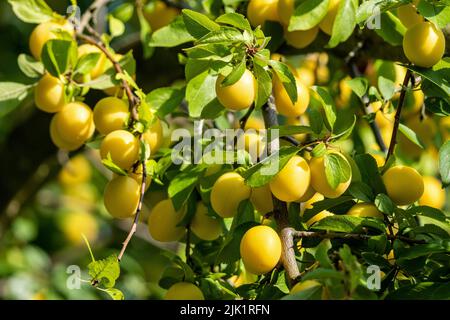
(121, 197)
(59, 141)
(163, 221)
(75, 122)
(76, 223)
(47, 31)
(260, 249)
(292, 182)
(306, 76)
(123, 148)
(408, 14)
(102, 61)
(425, 130)
(260, 11)
(77, 170)
(204, 226)
(238, 96)
(261, 199)
(319, 180)
(160, 15)
(326, 25)
(404, 185)
(227, 192)
(304, 285)
(365, 210)
(154, 136)
(110, 114)
(49, 94)
(184, 291)
(424, 44)
(284, 103)
(433, 195)
(301, 38)
(253, 143)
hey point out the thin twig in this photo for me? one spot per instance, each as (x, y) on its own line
(138, 210)
(244, 119)
(188, 244)
(398, 113)
(89, 14)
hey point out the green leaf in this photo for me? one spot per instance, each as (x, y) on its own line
(58, 56)
(124, 12)
(115, 293)
(11, 96)
(264, 85)
(369, 173)
(313, 293)
(440, 15)
(326, 204)
(308, 14)
(145, 34)
(86, 63)
(327, 102)
(108, 163)
(30, 67)
(201, 92)
(321, 253)
(420, 250)
(165, 100)
(361, 191)
(444, 163)
(225, 35)
(387, 87)
(337, 169)
(285, 75)
(384, 204)
(197, 24)
(32, 11)
(323, 274)
(236, 20)
(116, 26)
(105, 272)
(319, 150)
(422, 291)
(438, 106)
(345, 134)
(437, 76)
(171, 35)
(348, 224)
(345, 22)
(183, 184)
(262, 172)
(393, 29)
(359, 85)
(234, 75)
(410, 135)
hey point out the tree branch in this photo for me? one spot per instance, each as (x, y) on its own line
(90, 13)
(398, 113)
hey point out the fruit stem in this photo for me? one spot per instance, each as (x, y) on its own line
(398, 113)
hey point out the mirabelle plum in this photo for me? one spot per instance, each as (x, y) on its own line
(301, 38)
(404, 185)
(74, 123)
(163, 221)
(184, 291)
(159, 14)
(365, 210)
(298, 121)
(425, 130)
(319, 180)
(285, 10)
(244, 277)
(204, 226)
(110, 114)
(121, 197)
(102, 61)
(74, 224)
(292, 182)
(260, 11)
(253, 143)
(49, 94)
(444, 126)
(77, 170)
(414, 101)
(47, 31)
(260, 249)
(154, 136)
(318, 217)
(306, 76)
(240, 95)
(59, 141)
(304, 285)
(433, 195)
(227, 192)
(261, 199)
(326, 25)
(283, 102)
(424, 44)
(123, 148)
(408, 14)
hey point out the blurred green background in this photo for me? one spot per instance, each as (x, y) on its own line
(41, 215)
